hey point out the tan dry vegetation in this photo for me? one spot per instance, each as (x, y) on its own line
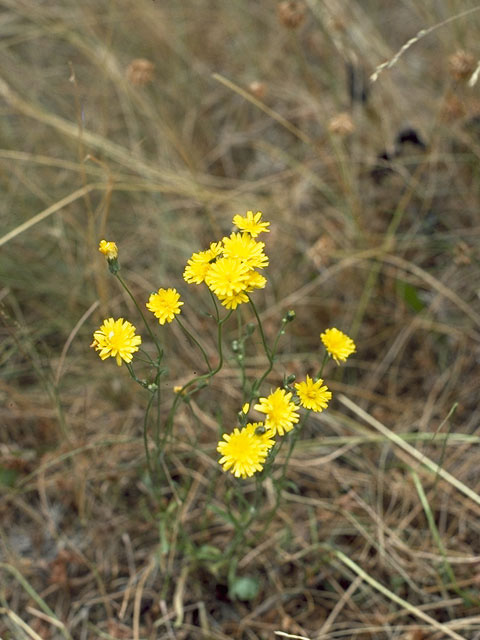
(372, 232)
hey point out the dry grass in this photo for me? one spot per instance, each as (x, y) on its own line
(377, 534)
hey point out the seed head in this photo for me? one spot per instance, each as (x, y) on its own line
(140, 72)
(291, 13)
(258, 89)
(461, 65)
(341, 124)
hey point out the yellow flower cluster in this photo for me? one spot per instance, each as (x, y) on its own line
(228, 267)
(245, 451)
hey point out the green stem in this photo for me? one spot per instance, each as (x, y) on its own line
(259, 322)
(270, 354)
(133, 374)
(145, 440)
(192, 337)
(204, 378)
(250, 513)
(279, 483)
(139, 309)
(322, 366)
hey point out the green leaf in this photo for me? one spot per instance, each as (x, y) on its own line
(7, 477)
(244, 588)
(222, 514)
(208, 553)
(409, 293)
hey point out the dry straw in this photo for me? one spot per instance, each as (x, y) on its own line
(421, 34)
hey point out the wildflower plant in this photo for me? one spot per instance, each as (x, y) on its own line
(230, 270)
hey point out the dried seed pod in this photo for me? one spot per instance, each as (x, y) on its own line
(140, 72)
(258, 89)
(291, 13)
(341, 124)
(461, 65)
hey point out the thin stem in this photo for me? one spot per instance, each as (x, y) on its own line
(204, 378)
(157, 422)
(322, 366)
(145, 439)
(259, 322)
(133, 375)
(192, 337)
(270, 354)
(139, 309)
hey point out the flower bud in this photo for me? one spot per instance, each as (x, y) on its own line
(110, 251)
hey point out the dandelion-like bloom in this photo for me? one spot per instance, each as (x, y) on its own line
(195, 272)
(116, 339)
(109, 249)
(199, 264)
(313, 395)
(280, 411)
(232, 301)
(227, 276)
(244, 451)
(245, 248)
(164, 304)
(338, 344)
(251, 223)
(255, 280)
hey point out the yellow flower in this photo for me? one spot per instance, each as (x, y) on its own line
(199, 264)
(280, 411)
(227, 276)
(245, 248)
(245, 451)
(338, 345)
(195, 272)
(232, 301)
(109, 249)
(251, 223)
(164, 304)
(313, 395)
(255, 280)
(116, 339)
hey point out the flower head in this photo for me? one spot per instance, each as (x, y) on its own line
(338, 345)
(280, 411)
(245, 451)
(195, 272)
(109, 249)
(164, 304)
(255, 280)
(251, 223)
(246, 249)
(199, 264)
(116, 339)
(232, 301)
(227, 276)
(313, 395)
